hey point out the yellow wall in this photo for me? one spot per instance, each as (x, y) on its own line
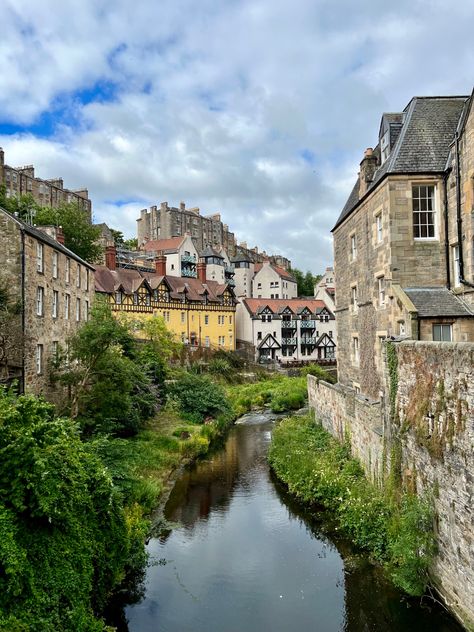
(188, 320)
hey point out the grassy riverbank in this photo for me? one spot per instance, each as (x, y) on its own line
(396, 529)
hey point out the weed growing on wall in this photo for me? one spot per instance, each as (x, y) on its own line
(320, 470)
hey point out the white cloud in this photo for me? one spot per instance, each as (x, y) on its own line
(216, 103)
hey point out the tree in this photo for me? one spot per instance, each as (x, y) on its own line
(305, 282)
(80, 235)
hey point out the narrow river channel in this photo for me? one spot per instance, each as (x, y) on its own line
(244, 557)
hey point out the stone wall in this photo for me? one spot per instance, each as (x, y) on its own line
(434, 427)
(344, 413)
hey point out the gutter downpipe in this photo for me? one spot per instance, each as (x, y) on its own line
(23, 270)
(459, 217)
(446, 231)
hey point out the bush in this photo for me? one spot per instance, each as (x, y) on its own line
(318, 469)
(317, 371)
(198, 397)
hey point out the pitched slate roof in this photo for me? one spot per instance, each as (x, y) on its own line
(423, 144)
(109, 281)
(210, 252)
(436, 302)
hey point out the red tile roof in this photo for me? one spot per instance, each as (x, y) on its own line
(164, 245)
(284, 274)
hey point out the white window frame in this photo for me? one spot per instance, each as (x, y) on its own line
(39, 257)
(39, 359)
(354, 304)
(443, 326)
(55, 264)
(78, 310)
(355, 350)
(381, 291)
(378, 228)
(86, 310)
(78, 276)
(67, 270)
(55, 303)
(456, 268)
(40, 300)
(353, 240)
(67, 306)
(418, 213)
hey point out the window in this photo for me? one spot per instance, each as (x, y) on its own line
(68, 270)
(182, 317)
(456, 269)
(259, 286)
(39, 359)
(353, 248)
(259, 335)
(378, 228)
(55, 303)
(55, 349)
(78, 309)
(118, 298)
(329, 334)
(87, 280)
(86, 310)
(55, 265)
(381, 290)
(356, 388)
(67, 306)
(354, 297)
(39, 257)
(207, 341)
(355, 350)
(39, 300)
(443, 333)
(230, 320)
(401, 328)
(423, 211)
(78, 276)
(206, 319)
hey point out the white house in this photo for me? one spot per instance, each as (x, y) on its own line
(271, 281)
(325, 289)
(181, 255)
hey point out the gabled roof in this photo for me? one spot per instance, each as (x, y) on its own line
(241, 257)
(326, 341)
(422, 146)
(210, 252)
(45, 238)
(437, 302)
(167, 246)
(253, 305)
(269, 342)
(284, 274)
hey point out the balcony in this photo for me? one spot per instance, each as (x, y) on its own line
(308, 324)
(288, 324)
(308, 341)
(230, 282)
(188, 259)
(288, 342)
(189, 272)
(229, 270)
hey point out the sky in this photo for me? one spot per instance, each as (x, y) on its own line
(258, 109)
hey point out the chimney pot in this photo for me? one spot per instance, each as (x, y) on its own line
(160, 264)
(201, 270)
(111, 257)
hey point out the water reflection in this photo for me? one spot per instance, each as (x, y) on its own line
(246, 557)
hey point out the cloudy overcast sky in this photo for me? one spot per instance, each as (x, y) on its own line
(258, 109)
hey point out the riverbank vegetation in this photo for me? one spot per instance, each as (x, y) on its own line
(395, 528)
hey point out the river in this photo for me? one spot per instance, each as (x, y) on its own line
(244, 557)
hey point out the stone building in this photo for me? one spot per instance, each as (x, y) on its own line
(287, 330)
(165, 222)
(22, 181)
(403, 244)
(199, 311)
(55, 290)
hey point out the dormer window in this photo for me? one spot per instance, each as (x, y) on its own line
(384, 146)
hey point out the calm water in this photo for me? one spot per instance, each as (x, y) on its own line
(245, 558)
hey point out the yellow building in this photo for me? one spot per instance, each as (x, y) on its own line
(198, 311)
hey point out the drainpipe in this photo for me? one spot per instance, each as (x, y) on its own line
(446, 231)
(458, 216)
(23, 322)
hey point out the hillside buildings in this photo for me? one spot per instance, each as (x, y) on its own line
(22, 181)
(54, 289)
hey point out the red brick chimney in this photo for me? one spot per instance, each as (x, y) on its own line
(111, 257)
(160, 264)
(201, 270)
(60, 235)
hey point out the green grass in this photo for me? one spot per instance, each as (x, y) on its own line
(278, 392)
(397, 530)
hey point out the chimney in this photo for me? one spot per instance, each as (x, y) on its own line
(368, 167)
(60, 235)
(201, 270)
(111, 257)
(182, 206)
(160, 264)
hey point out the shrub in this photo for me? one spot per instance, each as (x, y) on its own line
(317, 371)
(199, 397)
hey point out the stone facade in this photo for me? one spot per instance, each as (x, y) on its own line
(56, 290)
(22, 181)
(433, 427)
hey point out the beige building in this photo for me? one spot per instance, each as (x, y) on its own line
(55, 289)
(22, 181)
(403, 244)
(325, 289)
(271, 281)
(181, 255)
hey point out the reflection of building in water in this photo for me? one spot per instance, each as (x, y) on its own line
(211, 484)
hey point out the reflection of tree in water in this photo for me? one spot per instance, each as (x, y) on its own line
(211, 484)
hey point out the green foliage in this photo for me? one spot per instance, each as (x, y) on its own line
(80, 235)
(318, 469)
(199, 397)
(317, 371)
(305, 282)
(64, 537)
(280, 393)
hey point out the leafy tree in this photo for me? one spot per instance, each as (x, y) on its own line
(64, 537)
(19, 205)
(305, 282)
(199, 397)
(131, 244)
(80, 235)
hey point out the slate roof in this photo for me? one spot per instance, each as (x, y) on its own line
(240, 257)
(436, 302)
(109, 281)
(423, 143)
(210, 252)
(45, 238)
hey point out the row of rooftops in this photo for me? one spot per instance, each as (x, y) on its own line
(290, 306)
(417, 140)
